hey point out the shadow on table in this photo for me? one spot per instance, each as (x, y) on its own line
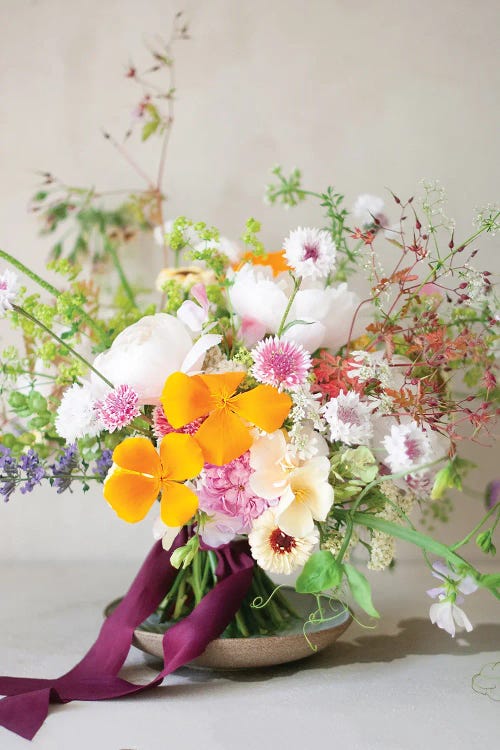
(415, 637)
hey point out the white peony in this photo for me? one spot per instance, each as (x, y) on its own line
(260, 301)
(144, 355)
(367, 208)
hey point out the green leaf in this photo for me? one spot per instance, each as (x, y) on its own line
(321, 572)
(360, 589)
(361, 463)
(149, 129)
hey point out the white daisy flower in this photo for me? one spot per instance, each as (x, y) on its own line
(408, 446)
(9, 288)
(310, 252)
(77, 416)
(367, 208)
(349, 419)
(275, 551)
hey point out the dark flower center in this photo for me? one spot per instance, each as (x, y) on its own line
(281, 543)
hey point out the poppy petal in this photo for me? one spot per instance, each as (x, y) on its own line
(223, 385)
(137, 454)
(181, 456)
(178, 504)
(131, 495)
(184, 399)
(263, 406)
(223, 437)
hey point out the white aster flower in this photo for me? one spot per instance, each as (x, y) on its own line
(367, 208)
(349, 419)
(276, 551)
(408, 446)
(9, 287)
(77, 416)
(310, 252)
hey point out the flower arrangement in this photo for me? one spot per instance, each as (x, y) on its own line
(255, 395)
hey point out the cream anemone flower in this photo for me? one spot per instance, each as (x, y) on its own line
(303, 489)
(276, 551)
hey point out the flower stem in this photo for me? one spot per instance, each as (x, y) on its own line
(32, 318)
(52, 290)
(111, 250)
(296, 287)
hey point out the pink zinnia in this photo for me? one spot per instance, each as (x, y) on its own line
(119, 408)
(226, 490)
(162, 427)
(283, 364)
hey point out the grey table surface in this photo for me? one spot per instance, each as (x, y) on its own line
(403, 685)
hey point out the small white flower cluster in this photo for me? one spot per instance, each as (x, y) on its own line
(335, 541)
(433, 203)
(488, 217)
(368, 367)
(477, 293)
(382, 550)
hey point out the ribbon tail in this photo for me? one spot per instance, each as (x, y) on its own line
(24, 714)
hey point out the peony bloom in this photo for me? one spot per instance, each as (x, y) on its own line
(260, 301)
(147, 352)
(310, 252)
(225, 434)
(276, 551)
(280, 363)
(227, 492)
(349, 418)
(77, 416)
(367, 208)
(139, 474)
(9, 287)
(119, 408)
(303, 489)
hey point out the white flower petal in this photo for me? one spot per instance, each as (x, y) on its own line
(194, 358)
(296, 520)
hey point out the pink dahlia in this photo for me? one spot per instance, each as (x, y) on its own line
(119, 408)
(226, 490)
(162, 427)
(283, 364)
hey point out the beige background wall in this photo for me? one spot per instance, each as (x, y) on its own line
(362, 95)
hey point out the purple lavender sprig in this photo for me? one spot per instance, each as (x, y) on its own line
(64, 466)
(103, 464)
(24, 473)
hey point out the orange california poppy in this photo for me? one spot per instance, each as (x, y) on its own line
(139, 474)
(276, 261)
(225, 434)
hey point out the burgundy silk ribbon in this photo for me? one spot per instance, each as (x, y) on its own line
(95, 677)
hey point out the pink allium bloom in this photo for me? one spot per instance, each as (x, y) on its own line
(162, 427)
(226, 490)
(118, 408)
(283, 364)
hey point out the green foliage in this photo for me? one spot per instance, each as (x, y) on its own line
(360, 589)
(153, 123)
(450, 476)
(320, 573)
(250, 238)
(175, 294)
(287, 190)
(360, 463)
(484, 541)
